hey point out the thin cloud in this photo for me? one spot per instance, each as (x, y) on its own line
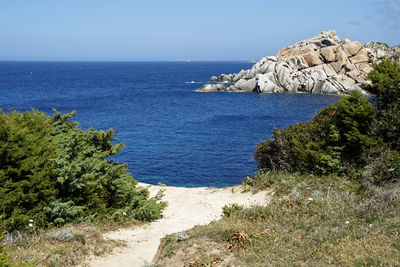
(390, 13)
(391, 9)
(355, 23)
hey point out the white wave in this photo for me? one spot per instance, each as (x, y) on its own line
(192, 82)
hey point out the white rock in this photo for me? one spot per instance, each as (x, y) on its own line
(321, 64)
(266, 83)
(245, 85)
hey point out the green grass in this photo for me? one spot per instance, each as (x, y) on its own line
(312, 221)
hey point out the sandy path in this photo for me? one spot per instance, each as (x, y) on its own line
(187, 207)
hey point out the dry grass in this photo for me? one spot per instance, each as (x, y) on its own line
(312, 221)
(40, 250)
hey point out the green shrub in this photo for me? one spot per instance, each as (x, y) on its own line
(334, 138)
(231, 209)
(26, 170)
(385, 84)
(382, 166)
(52, 172)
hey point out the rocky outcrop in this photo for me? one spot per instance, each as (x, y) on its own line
(379, 51)
(322, 64)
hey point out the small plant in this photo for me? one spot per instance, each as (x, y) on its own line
(231, 209)
(60, 251)
(169, 246)
(169, 240)
(80, 238)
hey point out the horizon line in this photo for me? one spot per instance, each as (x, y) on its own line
(125, 61)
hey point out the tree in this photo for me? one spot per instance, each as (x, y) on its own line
(385, 84)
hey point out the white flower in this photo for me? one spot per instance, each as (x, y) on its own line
(30, 220)
(124, 213)
(310, 198)
(30, 225)
(347, 222)
(370, 225)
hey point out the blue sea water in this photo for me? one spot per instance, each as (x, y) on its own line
(173, 134)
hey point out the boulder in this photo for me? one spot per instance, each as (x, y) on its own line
(364, 67)
(212, 88)
(298, 63)
(268, 66)
(244, 85)
(352, 48)
(353, 74)
(328, 87)
(329, 70)
(181, 236)
(337, 66)
(328, 53)
(360, 57)
(266, 83)
(312, 58)
(283, 77)
(213, 79)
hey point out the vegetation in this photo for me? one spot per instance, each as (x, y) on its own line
(311, 221)
(337, 191)
(332, 141)
(52, 172)
(41, 249)
(385, 84)
(351, 137)
(336, 183)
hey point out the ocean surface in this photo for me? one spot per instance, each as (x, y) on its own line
(173, 134)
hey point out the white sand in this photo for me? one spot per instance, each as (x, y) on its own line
(187, 207)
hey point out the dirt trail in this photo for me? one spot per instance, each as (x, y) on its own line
(187, 207)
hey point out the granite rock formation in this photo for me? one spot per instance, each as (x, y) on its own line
(322, 64)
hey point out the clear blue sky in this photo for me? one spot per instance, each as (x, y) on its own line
(130, 30)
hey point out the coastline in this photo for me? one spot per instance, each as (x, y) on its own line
(187, 207)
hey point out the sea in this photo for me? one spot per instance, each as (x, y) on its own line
(173, 134)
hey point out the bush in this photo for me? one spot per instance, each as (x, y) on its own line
(334, 138)
(53, 172)
(26, 170)
(385, 84)
(383, 166)
(231, 209)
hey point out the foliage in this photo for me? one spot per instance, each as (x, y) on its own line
(310, 221)
(26, 172)
(335, 137)
(53, 172)
(382, 166)
(385, 84)
(316, 220)
(231, 209)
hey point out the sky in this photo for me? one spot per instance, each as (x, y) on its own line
(162, 30)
